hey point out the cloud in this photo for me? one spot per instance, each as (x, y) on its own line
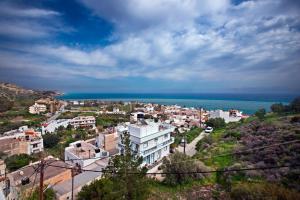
(253, 43)
(23, 22)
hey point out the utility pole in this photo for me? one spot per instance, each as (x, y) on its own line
(200, 117)
(72, 174)
(41, 197)
(184, 137)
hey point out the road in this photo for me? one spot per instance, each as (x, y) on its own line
(190, 149)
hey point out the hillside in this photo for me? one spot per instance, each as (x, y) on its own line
(14, 103)
(253, 143)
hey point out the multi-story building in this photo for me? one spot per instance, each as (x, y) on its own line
(83, 121)
(149, 139)
(37, 108)
(28, 142)
(82, 153)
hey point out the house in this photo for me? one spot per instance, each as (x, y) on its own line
(27, 142)
(37, 108)
(149, 139)
(83, 121)
(63, 189)
(108, 140)
(228, 116)
(82, 153)
(51, 126)
(22, 180)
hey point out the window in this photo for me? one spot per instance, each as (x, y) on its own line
(145, 145)
(34, 145)
(166, 136)
(166, 148)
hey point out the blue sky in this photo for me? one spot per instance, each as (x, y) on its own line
(175, 46)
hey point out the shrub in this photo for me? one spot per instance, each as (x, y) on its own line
(17, 161)
(177, 164)
(203, 143)
(260, 114)
(278, 108)
(262, 191)
(50, 140)
(216, 123)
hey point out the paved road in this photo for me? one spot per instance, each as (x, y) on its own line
(190, 148)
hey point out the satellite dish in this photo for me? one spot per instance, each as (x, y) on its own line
(21, 173)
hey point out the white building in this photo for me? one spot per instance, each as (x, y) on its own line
(149, 139)
(83, 121)
(37, 108)
(136, 115)
(228, 116)
(83, 153)
(27, 142)
(51, 126)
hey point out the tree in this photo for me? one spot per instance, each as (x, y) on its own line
(124, 178)
(177, 164)
(216, 122)
(17, 161)
(48, 194)
(278, 108)
(101, 189)
(50, 140)
(261, 113)
(295, 105)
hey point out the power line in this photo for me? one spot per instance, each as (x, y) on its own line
(192, 172)
(239, 152)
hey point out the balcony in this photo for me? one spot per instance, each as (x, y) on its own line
(160, 146)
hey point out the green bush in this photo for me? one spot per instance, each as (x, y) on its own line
(50, 140)
(201, 144)
(216, 123)
(17, 161)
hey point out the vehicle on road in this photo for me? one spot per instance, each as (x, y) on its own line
(208, 129)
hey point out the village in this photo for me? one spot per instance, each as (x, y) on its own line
(95, 131)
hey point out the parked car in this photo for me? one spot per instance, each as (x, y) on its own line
(208, 129)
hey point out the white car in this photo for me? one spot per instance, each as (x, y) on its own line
(208, 129)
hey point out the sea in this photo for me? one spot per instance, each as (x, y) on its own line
(248, 103)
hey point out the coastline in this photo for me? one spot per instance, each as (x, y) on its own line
(247, 103)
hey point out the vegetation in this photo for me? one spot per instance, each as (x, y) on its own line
(50, 140)
(18, 161)
(178, 164)
(216, 123)
(260, 114)
(192, 134)
(260, 191)
(55, 143)
(49, 194)
(109, 120)
(127, 182)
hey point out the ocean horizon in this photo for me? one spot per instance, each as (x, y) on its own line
(248, 103)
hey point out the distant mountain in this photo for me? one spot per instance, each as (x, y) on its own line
(10, 93)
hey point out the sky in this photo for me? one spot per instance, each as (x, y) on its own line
(157, 46)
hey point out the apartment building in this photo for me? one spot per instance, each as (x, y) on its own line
(27, 142)
(37, 108)
(82, 153)
(83, 121)
(149, 139)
